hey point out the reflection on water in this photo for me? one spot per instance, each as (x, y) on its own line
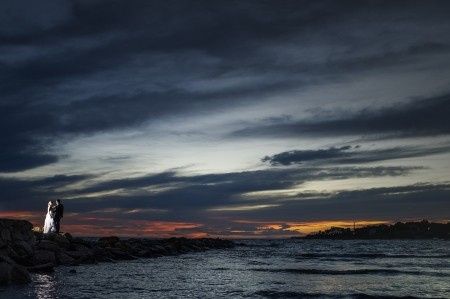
(45, 286)
(263, 269)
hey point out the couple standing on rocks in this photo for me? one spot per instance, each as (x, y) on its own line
(55, 211)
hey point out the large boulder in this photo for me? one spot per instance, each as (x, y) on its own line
(24, 248)
(108, 241)
(48, 245)
(42, 268)
(120, 254)
(62, 240)
(18, 230)
(44, 257)
(17, 235)
(82, 254)
(64, 259)
(68, 237)
(10, 272)
(5, 235)
(102, 254)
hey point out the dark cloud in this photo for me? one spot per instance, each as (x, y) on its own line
(55, 63)
(32, 194)
(188, 198)
(17, 161)
(193, 203)
(71, 69)
(351, 155)
(425, 117)
(23, 17)
(387, 203)
(171, 191)
(246, 181)
(300, 156)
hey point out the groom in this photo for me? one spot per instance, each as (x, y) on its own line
(59, 213)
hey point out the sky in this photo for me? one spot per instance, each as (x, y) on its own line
(237, 119)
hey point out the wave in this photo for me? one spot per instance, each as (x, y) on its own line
(368, 255)
(351, 272)
(257, 263)
(280, 294)
(273, 244)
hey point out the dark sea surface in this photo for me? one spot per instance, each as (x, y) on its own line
(263, 269)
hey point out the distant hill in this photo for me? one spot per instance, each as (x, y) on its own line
(408, 230)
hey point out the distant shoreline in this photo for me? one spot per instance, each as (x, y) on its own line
(422, 230)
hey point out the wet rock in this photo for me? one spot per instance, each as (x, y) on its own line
(82, 247)
(108, 241)
(81, 241)
(10, 272)
(42, 268)
(3, 244)
(82, 256)
(121, 255)
(64, 259)
(24, 248)
(158, 249)
(48, 245)
(62, 241)
(44, 257)
(68, 237)
(5, 235)
(5, 273)
(19, 256)
(20, 275)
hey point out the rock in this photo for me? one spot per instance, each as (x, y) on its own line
(42, 268)
(18, 256)
(17, 237)
(20, 275)
(158, 249)
(170, 249)
(6, 259)
(121, 255)
(48, 245)
(24, 248)
(5, 235)
(81, 241)
(3, 244)
(64, 259)
(10, 272)
(62, 241)
(38, 229)
(108, 241)
(82, 247)
(78, 254)
(73, 271)
(82, 256)
(68, 237)
(87, 259)
(5, 273)
(44, 257)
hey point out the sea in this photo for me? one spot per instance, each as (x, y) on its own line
(293, 268)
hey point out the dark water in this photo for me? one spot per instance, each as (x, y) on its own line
(263, 269)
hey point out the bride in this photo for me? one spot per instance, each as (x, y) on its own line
(49, 224)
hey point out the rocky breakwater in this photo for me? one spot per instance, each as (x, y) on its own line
(23, 251)
(16, 248)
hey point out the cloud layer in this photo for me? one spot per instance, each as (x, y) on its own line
(218, 116)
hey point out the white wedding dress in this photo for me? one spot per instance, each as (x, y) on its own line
(49, 224)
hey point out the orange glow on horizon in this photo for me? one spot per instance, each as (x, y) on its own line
(308, 227)
(104, 225)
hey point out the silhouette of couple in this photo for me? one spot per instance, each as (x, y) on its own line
(55, 211)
